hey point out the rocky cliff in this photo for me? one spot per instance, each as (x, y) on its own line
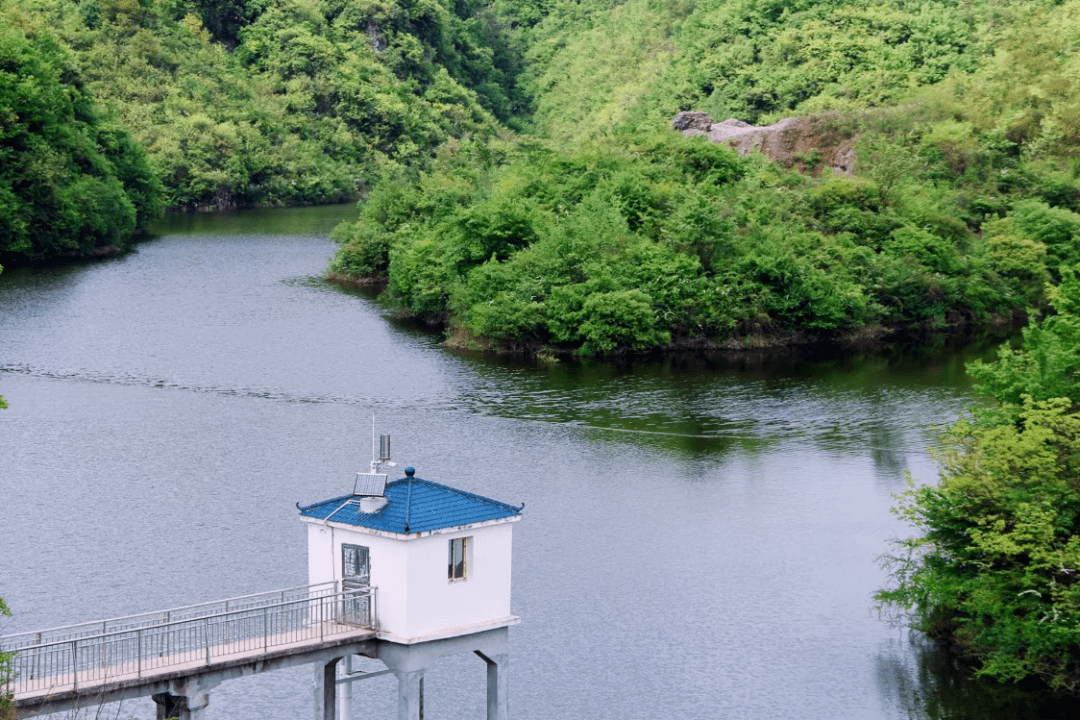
(813, 144)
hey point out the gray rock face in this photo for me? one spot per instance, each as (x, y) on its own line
(692, 120)
(801, 141)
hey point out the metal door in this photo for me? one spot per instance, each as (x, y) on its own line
(355, 583)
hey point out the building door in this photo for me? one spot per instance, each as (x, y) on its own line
(356, 585)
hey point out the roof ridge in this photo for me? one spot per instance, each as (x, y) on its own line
(464, 493)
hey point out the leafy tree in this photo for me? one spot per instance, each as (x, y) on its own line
(70, 182)
(993, 574)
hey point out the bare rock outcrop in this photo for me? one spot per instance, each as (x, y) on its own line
(692, 120)
(811, 143)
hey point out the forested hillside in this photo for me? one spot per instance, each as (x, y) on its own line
(606, 231)
(241, 103)
(524, 185)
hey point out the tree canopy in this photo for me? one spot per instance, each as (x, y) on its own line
(992, 574)
(70, 181)
(964, 202)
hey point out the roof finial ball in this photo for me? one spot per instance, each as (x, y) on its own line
(436, 560)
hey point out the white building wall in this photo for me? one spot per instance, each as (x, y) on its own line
(415, 597)
(436, 603)
(389, 570)
(320, 555)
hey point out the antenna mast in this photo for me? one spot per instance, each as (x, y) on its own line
(373, 482)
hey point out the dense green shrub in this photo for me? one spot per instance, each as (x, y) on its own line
(638, 241)
(993, 573)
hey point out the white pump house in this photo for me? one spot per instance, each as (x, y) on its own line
(438, 563)
(404, 572)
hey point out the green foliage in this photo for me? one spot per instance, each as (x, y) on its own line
(635, 242)
(595, 66)
(1057, 229)
(70, 181)
(7, 710)
(270, 102)
(1047, 366)
(993, 574)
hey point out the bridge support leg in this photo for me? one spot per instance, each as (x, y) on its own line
(326, 690)
(345, 691)
(181, 707)
(410, 694)
(497, 705)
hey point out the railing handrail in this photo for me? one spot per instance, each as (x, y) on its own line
(358, 592)
(94, 658)
(5, 639)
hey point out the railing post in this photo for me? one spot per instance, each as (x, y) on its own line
(266, 628)
(206, 638)
(74, 666)
(138, 634)
(322, 619)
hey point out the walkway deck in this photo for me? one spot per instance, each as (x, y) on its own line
(136, 655)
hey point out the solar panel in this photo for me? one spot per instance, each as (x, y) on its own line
(370, 484)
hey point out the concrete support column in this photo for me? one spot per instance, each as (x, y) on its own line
(326, 690)
(186, 698)
(170, 706)
(181, 707)
(498, 707)
(410, 694)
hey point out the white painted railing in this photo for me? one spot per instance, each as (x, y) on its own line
(138, 645)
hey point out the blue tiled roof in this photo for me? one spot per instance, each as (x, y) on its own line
(413, 506)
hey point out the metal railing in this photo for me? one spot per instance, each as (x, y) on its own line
(198, 635)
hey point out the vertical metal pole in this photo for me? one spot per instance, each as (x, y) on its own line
(322, 623)
(345, 701)
(206, 638)
(74, 667)
(139, 632)
(266, 629)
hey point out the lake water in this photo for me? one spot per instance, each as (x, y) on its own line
(700, 536)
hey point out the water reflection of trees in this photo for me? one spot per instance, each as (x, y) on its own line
(923, 682)
(697, 405)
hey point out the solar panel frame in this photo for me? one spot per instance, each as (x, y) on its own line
(370, 485)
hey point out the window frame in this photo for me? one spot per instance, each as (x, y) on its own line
(464, 565)
(362, 550)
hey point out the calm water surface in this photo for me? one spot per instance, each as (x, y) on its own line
(700, 535)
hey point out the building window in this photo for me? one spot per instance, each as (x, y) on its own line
(459, 559)
(355, 564)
